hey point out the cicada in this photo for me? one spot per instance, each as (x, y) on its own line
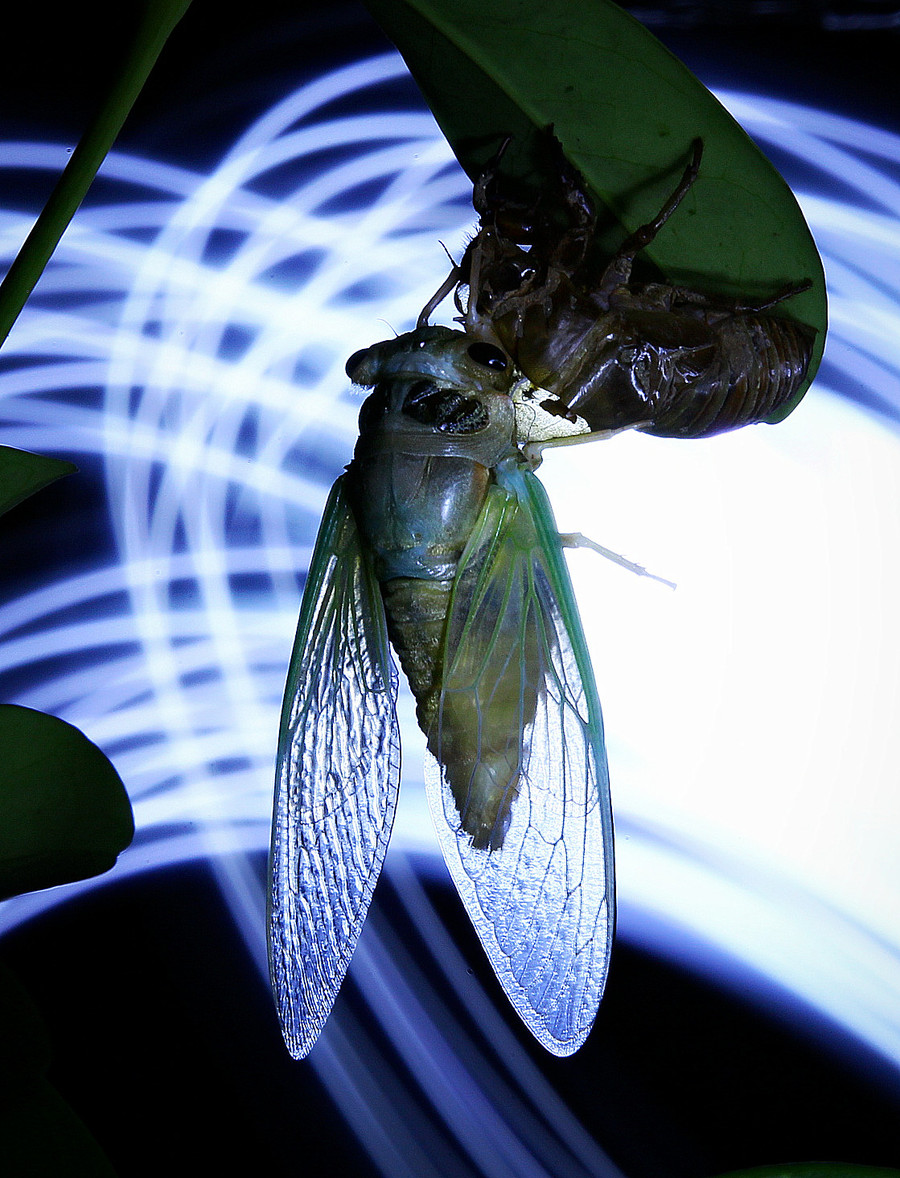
(440, 541)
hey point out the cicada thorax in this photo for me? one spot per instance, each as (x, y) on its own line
(438, 421)
(670, 360)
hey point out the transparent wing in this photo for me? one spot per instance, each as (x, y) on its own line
(542, 896)
(336, 787)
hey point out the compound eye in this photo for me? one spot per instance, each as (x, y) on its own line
(354, 362)
(488, 355)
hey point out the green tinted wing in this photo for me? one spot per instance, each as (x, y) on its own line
(528, 762)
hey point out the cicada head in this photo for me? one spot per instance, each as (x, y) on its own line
(438, 392)
(440, 354)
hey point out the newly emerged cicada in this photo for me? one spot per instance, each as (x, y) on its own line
(440, 541)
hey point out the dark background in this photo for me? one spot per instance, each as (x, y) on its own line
(166, 1044)
(164, 1040)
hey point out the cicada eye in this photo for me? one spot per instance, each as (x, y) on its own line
(354, 362)
(488, 355)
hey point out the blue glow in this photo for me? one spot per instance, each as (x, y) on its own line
(751, 714)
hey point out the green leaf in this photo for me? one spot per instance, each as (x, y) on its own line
(22, 473)
(157, 20)
(814, 1170)
(64, 813)
(626, 112)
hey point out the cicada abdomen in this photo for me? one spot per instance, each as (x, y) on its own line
(667, 359)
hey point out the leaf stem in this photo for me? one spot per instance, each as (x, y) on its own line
(158, 20)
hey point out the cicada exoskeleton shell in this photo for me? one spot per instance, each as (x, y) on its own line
(668, 359)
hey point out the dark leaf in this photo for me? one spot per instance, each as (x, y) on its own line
(22, 473)
(64, 813)
(626, 112)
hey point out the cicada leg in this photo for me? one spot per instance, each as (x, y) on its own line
(742, 306)
(618, 272)
(452, 280)
(520, 258)
(578, 540)
(533, 451)
(481, 198)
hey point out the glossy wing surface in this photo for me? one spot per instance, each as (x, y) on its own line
(542, 897)
(336, 788)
